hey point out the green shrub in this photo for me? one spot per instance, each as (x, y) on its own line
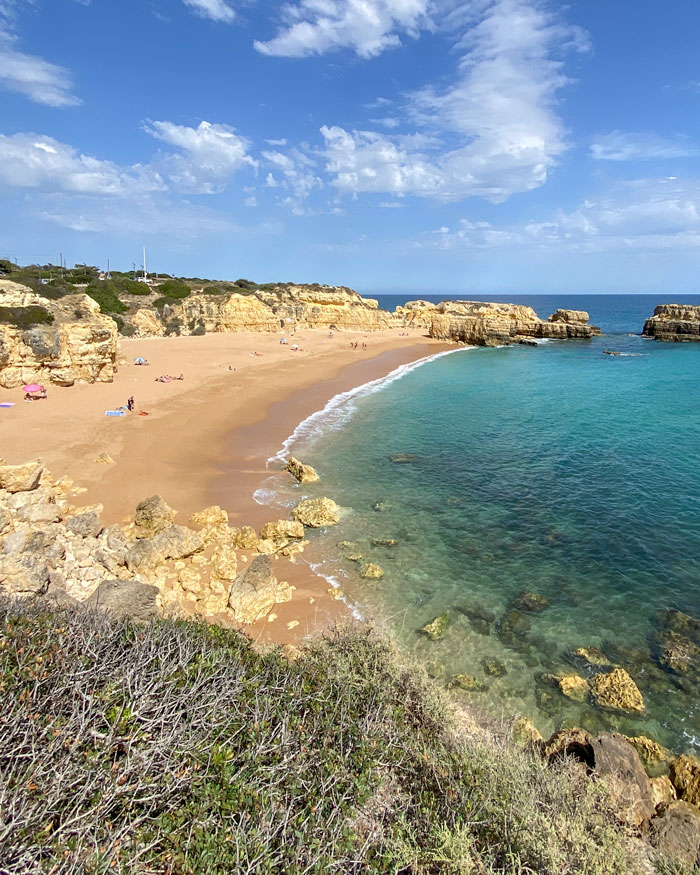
(199, 329)
(106, 295)
(174, 289)
(132, 287)
(159, 303)
(173, 327)
(127, 330)
(186, 751)
(25, 317)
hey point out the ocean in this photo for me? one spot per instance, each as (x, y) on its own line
(554, 470)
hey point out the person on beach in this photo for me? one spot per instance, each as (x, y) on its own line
(130, 404)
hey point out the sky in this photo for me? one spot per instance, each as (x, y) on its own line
(456, 146)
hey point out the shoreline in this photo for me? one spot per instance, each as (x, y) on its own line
(206, 439)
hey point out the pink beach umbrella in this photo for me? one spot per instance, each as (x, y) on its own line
(32, 387)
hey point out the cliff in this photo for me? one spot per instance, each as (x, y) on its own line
(282, 307)
(49, 341)
(493, 324)
(674, 322)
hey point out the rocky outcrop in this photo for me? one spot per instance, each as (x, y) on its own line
(674, 322)
(126, 598)
(617, 691)
(317, 512)
(570, 317)
(301, 472)
(256, 591)
(282, 307)
(486, 324)
(72, 341)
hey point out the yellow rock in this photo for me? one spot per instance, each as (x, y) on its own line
(317, 512)
(617, 690)
(371, 571)
(301, 472)
(574, 687)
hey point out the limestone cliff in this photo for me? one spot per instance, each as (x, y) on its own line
(53, 341)
(491, 324)
(674, 322)
(283, 307)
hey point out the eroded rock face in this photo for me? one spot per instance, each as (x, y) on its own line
(618, 762)
(301, 472)
(616, 690)
(126, 598)
(317, 512)
(570, 317)
(676, 834)
(80, 344)
(153, 515)
(256, 591)
(21, 478)
(487, 324)
(674, 322)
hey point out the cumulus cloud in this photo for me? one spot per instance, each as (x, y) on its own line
(497, 120)
(618, 146)
(210, 154)
(641, 214)
(367, 27)
(216, 10)
(30, 75)
(41, 162)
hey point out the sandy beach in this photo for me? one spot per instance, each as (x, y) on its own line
(204, 439)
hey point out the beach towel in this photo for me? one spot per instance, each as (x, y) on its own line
(114, 413)
(7, 404)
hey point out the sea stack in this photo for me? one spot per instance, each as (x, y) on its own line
(674, 322)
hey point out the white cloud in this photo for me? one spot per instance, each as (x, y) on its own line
(497, 121)
(210, 155)
(642, 214)
(216, 10)
(250, 202)
(618, 146)
(298, 177)
(34, 77)
(368, 27)
(40, 162)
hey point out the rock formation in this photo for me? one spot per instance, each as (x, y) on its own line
(617, 691)
(674, 322)
(486, 324)
(283, 307)
(301, 472)
(317, 512)
(47, 341)
(145, 568)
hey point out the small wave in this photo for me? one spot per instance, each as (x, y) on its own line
(317, 568)
(338, 410)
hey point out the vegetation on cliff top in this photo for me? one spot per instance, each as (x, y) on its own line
(178, 748)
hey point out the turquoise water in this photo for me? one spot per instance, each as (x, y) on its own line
(557, 470)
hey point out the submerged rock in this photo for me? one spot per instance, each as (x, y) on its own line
(593, 657)
(676, 653)
(301, 472)
(651, 752)
(525, 732)
(384, 542)
(404, 458)
(574, 687)
(317, 512)
(514, 627)
(371, 571)
(468, 683)
(616, 690)
(381, 505)
(530, 602)
(494, 667)
(436, 628)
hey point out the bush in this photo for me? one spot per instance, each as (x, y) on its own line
(25, 317)
(127, 330)
(174, 289)
(176, 747)
(199, 329)
(173, 327)
(105, 293)
(161, 303)
(131, 287)
(57, 289)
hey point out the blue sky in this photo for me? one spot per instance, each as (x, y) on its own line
(389, 145)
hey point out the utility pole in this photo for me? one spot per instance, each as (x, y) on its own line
(60, 261)
(109, 275)
(145, 275)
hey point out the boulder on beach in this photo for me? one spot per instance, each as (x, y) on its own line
(126, 598)
(256, 591)
(21, 478)
(153, 515)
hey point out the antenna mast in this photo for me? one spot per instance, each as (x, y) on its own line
(145, 275)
